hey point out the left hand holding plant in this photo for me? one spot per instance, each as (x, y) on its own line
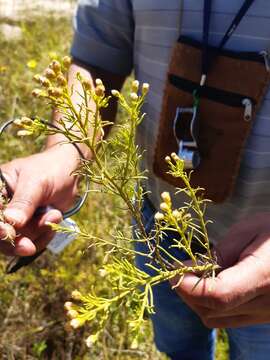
(240, 294)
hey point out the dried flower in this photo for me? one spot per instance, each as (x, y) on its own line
(86, 84)
(44, 81)
(61, 80)
(100, 90)
(55, 66)
(55, 92)
(49, 73)
(37, 92)
(7, 232)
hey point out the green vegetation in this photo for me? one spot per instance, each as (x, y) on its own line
(33, 322)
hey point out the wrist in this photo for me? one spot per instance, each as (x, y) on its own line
(74, 151)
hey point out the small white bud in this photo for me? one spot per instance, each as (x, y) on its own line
(145, 88)
(76, 323)
(159, 216)
(76, 295)
(68, 305)
(164, 207)
(174, 156)
(72, 313)
(166, 197)
(24, 133)
(115, 93)
(176, 214)
(135, 86)
(91, 340)
(98, 82)
(102, 272)
(134, 96)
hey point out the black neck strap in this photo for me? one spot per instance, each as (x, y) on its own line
(206, 61)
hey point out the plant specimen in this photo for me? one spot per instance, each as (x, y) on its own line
(114, 168)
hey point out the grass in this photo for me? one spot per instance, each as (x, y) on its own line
(33, 324)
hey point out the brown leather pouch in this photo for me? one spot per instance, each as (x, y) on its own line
(235, 88)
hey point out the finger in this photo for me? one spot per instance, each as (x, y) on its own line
(234, 321)
(39, 224)
(28, 196)
(231, 288)
(257, 306)
(37, 236)
(24, 246)
(42, 242)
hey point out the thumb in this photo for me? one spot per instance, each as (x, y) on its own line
(28, 196)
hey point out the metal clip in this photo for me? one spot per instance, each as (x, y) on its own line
(247, 103)
(187, 142)
(265, 55)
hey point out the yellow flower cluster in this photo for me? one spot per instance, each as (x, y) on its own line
(53, 80)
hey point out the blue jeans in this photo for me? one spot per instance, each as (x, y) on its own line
(179, 332)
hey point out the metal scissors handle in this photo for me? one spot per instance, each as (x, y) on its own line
(20, 261)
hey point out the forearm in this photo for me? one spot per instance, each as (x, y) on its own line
(111, 81)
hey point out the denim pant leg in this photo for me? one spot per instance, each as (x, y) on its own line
(178, 331)
(250, 342)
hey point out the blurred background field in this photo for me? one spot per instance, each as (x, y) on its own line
(32, 319)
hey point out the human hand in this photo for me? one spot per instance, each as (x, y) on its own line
(240, 294)
(37, 181)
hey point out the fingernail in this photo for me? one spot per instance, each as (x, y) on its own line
(52, 218)
(14, 216)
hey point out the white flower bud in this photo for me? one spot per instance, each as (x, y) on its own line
(135, 86)
(159, 216)
(24, 133)
(76, 323)
(176, 214)
(115, 93)
(68, 305)
(98, 82)
(145, 88)
(76, 295)
(166, 197)
(174, 156)
(164, 207)
(133, 96)
(72, 313)
(102, 272)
